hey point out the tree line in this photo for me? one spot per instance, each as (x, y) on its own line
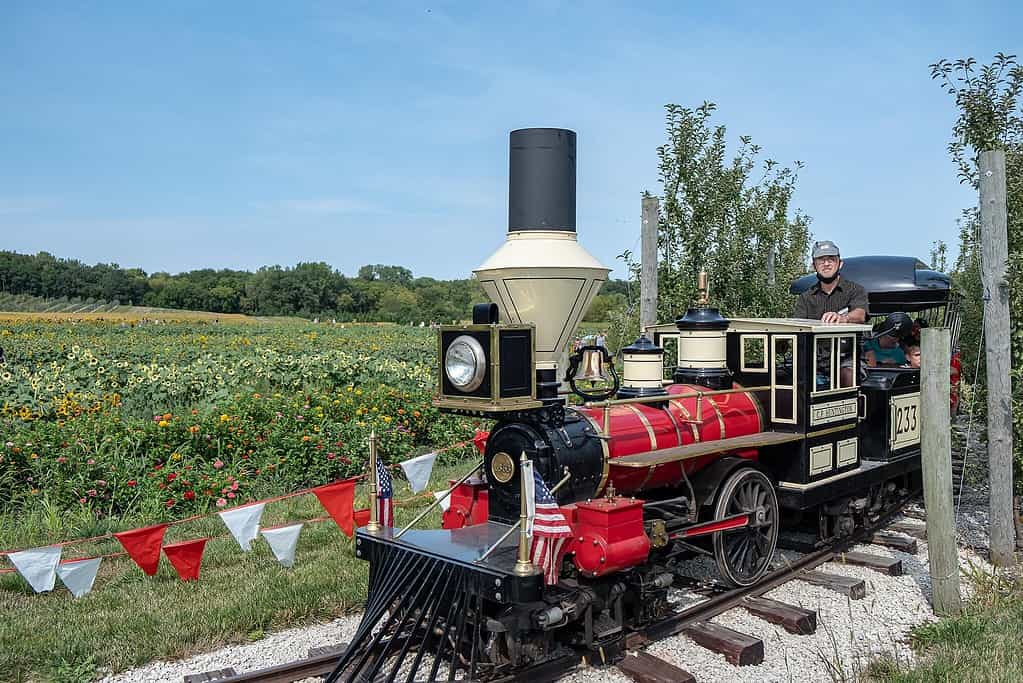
(377, 293)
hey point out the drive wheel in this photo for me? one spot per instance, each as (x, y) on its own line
(744, 555)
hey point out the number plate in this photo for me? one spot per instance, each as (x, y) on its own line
(905, 429)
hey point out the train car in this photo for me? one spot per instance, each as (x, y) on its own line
(763, 424)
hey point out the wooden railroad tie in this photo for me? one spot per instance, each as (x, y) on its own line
(915, 514)
(738, 648)
(895, 541)
(885, 565)
(856, 589)
(643, 667)
(324, 650)
(915, 530)
(793, 619)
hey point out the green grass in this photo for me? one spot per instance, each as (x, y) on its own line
(984, 643)
(130, 619)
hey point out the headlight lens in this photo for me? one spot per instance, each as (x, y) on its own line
(465, 363)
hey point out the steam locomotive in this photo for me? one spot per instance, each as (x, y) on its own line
(763, 424)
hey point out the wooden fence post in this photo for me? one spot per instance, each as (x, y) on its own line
(936, 461)
(648, 273)
(995, 254)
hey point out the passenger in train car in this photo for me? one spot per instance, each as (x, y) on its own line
(833, 299)
(912, 351)
(883, 350)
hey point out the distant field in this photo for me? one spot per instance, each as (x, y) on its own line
(24, 307)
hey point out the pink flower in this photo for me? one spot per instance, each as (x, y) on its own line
(230, 495)
(100, 483)
(218, 464)
(234, 486)
(221, 502)
(62, 460)
(92, 493)
(90, 461)
(81, 500)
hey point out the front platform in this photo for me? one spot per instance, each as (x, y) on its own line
(493, 578)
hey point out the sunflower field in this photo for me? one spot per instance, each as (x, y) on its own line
(159, 421)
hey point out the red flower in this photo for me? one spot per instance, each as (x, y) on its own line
(189, 495)
(172, 476)
(130, 482)
(169, 503)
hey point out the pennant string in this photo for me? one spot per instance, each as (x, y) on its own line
(360, 477)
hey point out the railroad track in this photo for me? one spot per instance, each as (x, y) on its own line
(693, 621)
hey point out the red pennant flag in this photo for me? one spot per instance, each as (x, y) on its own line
(186, 557)
(338, 500)
(143, 546)
(362, 517)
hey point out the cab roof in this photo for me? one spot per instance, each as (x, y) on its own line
(893, 283)
(792, 325)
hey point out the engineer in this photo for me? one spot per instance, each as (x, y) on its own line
(834, 299)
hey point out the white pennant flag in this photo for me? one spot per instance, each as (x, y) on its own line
(526, 470)
(445, 502)
(38, 566)
(283, 541)
(79, 575)
(418, 470)
(243, 523)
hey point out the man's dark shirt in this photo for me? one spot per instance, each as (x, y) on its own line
(815, 302)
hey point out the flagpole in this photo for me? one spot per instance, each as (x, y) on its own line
(515, 526)
(373, 525)
(523, 567)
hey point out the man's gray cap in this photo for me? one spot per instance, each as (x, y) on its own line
(825, 248)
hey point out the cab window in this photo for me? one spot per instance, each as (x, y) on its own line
(754, 353)
(835, 363)
(783, 378)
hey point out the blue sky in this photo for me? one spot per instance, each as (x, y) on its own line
(181, 135)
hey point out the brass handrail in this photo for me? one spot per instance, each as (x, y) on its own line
(516, 525)
(438, 500)
(671, 397)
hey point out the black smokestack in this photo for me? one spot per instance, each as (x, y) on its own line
(541, 180)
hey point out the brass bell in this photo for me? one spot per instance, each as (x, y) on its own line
(592, 367)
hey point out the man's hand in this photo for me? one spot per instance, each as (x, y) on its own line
(832, 318)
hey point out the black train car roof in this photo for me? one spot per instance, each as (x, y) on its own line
(893, 283)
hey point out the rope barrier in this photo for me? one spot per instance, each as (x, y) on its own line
(110, 534)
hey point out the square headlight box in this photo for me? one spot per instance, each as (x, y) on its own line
(508, 365)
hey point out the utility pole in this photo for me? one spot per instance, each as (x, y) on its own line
(995, 253)
(936, 462)
(648, 272)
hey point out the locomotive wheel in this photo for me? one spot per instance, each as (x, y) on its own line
(744, 555)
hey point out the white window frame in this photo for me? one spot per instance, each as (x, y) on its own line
(660, 337)
(836, 368)
(742, 353)
(774, 378)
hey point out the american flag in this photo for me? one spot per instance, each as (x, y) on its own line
(385, 492)
(550, 532)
